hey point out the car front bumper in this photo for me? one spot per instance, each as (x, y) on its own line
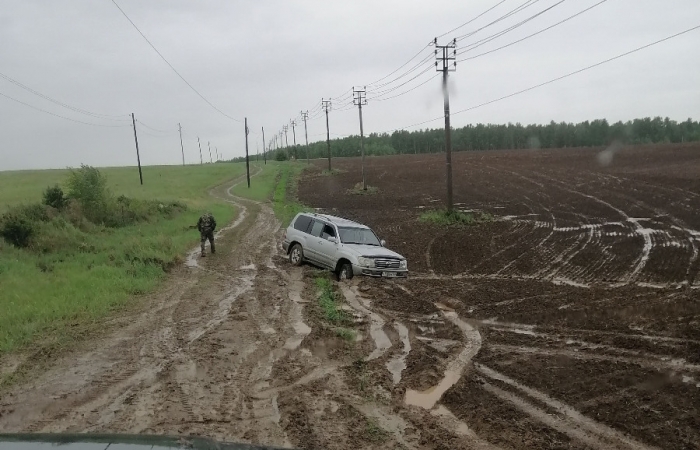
(379, 273)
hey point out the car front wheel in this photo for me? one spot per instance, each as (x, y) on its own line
(345, 272)
(296, 255)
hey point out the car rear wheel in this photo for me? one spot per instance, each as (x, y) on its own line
(296, 255)
(345, 272)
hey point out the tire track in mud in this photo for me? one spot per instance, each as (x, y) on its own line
(566, 419)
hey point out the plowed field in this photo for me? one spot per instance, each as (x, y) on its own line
(570, 320)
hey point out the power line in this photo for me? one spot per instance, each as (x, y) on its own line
(406, 92)
(400, 67)
(512, 12)
(404, 74)
(531, 35)
(154, 129)
(382, 93)
(171, 66)
(60, 116)
(57, 102)
(473, 45)
(472, 20)
(622, 55)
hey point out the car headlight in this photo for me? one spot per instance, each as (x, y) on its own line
(365, 262)
(403, 264)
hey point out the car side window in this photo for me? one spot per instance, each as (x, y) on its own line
(302, 223)
(327, 232)
(316, 228)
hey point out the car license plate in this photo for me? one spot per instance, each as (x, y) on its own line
(389, 274)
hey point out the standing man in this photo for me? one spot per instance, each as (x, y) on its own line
(206, 226)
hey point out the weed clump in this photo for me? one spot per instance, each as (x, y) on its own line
(359, 190)
(328, 302)
(444, 217)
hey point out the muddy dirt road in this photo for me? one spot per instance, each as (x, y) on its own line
(235, 349)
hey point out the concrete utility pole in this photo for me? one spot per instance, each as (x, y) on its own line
(359, 99)
(286, 141)
(264, 152)
(294, 133)
(326, 105)
(446, 56)
(218, 157)
(210, 160)
(247, 163)
(136, 139)
(305, 117)
(182, 147)
(201, 161)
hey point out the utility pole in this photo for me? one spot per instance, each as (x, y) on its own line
(264, 152)
(136, 139)
(247, 163)
(305, 117)
(446, 56)
(201, 161)
(286, 141)
(181, 146)
(210, 160)
(294, 123)
(359, 99)
(326, 105)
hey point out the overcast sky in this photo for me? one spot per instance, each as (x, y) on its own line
(267, 60)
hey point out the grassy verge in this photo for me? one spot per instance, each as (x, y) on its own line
(331, 313)
(55, 289)
(284, 203)
(443, 217)
(262, 185)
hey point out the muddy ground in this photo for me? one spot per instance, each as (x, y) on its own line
(580, 294)
(569, 321)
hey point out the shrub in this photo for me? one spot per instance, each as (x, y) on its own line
(53, 196)
(17, 230)
(89, 187)
(281, 155)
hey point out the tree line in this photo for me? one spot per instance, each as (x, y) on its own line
(507, 137)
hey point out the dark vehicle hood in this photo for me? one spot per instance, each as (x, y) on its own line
(116, 442)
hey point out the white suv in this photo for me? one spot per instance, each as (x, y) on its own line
(347, 248)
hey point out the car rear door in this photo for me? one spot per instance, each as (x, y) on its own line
(313, 243)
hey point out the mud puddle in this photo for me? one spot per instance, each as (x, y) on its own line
(382, 342)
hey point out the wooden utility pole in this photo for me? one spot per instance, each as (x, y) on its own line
(264, 152)
(209, 145)
(326, 105)
(360, 99)
(201, 161)
(182, 147)
(247, 164)
(305, 117)
(294, 123)
(447, 62)
(136, 139)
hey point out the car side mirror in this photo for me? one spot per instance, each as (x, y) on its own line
(383, 243)
(332, 239)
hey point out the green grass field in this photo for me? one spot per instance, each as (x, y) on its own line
(46, 297)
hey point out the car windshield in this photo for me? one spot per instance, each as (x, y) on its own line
(358, 236)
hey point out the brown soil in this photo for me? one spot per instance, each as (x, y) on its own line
(582, 290)
(571, 321)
